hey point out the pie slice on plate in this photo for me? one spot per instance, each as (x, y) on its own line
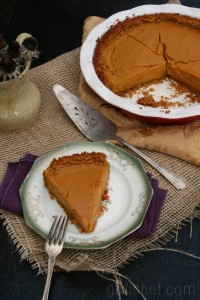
(78, 182)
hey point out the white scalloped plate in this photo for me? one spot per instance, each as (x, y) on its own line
(152, 115)
(130, 194)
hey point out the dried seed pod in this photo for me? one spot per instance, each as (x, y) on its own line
(31, 44)
(14, 49)
(2, 42)
(8, 65)
(28, 49)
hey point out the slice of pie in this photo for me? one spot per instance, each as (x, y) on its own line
(78, 182)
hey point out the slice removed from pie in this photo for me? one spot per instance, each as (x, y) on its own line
(78, 182)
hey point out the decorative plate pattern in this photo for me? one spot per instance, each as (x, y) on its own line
(130, 106)
(130, 194)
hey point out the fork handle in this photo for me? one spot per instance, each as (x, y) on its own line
(51, 263)
(177, 181)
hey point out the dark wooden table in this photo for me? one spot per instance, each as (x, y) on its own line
(159, 275)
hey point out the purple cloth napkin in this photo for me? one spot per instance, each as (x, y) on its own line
(9, 189)
(153, 213)
(16, 173)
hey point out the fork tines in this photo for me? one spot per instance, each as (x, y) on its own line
(57, 232)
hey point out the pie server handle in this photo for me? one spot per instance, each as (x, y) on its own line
(177, 181)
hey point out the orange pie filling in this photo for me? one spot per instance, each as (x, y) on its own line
(148, 48)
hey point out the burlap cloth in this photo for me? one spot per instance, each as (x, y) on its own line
(53, 128)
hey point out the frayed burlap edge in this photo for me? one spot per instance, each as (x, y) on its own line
(82, 263)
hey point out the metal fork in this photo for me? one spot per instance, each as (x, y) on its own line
(53, 247)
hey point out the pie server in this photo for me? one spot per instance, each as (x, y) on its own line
(98, 128)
